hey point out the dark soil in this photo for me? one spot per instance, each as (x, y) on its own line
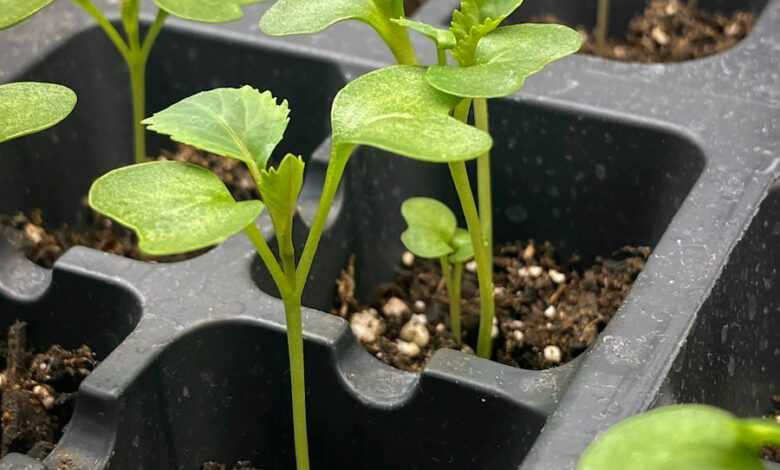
(671, 31)
(38, 391)
(547, 311)
(773, 453)
(241, 465)
(44, 244)
(410, 6)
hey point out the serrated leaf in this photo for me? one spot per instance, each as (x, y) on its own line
(280, 188)
(476, 19)
(505, 59)
(13, 12)
(29, 107)
(174, 207)
(443, 38)
(461, 243)
(240, 123)
(431, 227)
(394, 109)
(684, 437)
(206, 11)
(287, 17)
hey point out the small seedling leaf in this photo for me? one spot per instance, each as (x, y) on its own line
(682, 437)
(475, 19)
(206, 11)
(29, 107)
(13, 12)
(280, 188)
(432, 226)
(174, 207)
(394, 109)
(240, 123)
(461, 243)
(505, 59)
(444, 38)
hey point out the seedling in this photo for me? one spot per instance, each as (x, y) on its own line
(134, 48)
(682, 437)
(492, 62)
(433, 233)
(602, 23)
(29, 107)
(176, 207)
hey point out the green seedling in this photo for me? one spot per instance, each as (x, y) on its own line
(134, 48)
(682, 437)
(433, 233)
(602, 23)
(176, 207)
(492, 62)
(30, 107)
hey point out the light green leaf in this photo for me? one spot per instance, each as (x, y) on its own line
(431, 227)
(280, 188)
(29, 107)
(394, 109)
(240, 123)
(13, 12)
(683, 437)
(287, 17)
(505, 58)
(174, 207)
(207, 11)
(443, 38)
(476, 19)
(461, 243)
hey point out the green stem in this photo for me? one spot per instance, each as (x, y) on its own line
(292, 310)
(758, 433)
(484, 270)
(484, 181)
(338, 161)
(137, 67)
(262, 248)
(107, 27)
(397, 39)
(602, 22)
(453, 291)
(441, 56)
(151, 35)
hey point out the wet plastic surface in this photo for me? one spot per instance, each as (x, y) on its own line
(592, 155)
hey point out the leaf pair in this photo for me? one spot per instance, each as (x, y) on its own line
(433, 231)
(13, 12)
(29, 107)
(684, 437)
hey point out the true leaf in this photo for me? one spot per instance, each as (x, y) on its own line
(207, 11)
(475, 19)
(29, 107)
(461, 243)
(240, 123)
(505, 58)
(287, 17)
(443, 38)
(685, 437)
(174, 207)
(431, 227)
(280, 188)
(13, 12)
(394, 109)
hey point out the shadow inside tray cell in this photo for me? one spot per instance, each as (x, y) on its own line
(589, 183)
(54, 169)
(221, 393)
(731, 358)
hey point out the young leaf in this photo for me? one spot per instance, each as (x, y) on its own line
(443, 38)
(239, 123)
(505, 58)
(394, 109)
(431, 227)
(13, 12)
(683, 437)
(287, 17)
(280, 188)
(461, 243)
(29, 107)
(476, 19)
(174, 207)
(207, 11)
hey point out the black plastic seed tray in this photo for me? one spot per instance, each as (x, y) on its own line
(592, 155)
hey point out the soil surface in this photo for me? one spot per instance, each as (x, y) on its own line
(241, 465)
(671, 31)
(44, 244)
(773, 453)
(547, 311)
(38, 391)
